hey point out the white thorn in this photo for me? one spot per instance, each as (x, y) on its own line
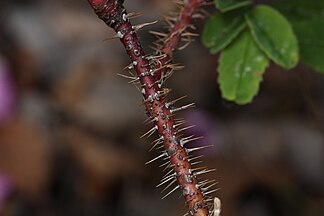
(208, 187)
(196, 157)
(169, 176)
(182, 108)
(186, 128)
(128, 77)
(195, 163)
(166, 163)
(212, 191)
(154, 159)
(204, 171)
(186, 140)
(140, 26)
(198, 148)
(176, 187)
(169, 185)
(150, 132)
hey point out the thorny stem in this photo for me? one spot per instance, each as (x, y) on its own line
(158, 108)
(177, 30)
(182, 23)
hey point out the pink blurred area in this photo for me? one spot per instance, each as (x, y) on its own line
(70, 126)
(7, 92)
(6, 188)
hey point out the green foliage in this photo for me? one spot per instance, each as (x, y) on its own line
(227, 5)
(240, 70)
(311, 42)
(299, 10)
(307, 19)
(274, 35)
(221, 29)
(280, 32)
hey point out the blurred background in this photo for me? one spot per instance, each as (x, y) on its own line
(70, 126)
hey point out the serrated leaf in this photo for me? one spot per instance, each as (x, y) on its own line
(311, 41)
(227, 5)
(274, 35)
(221, 29)
(241, 66)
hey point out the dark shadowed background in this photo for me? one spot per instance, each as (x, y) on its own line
(70, 126)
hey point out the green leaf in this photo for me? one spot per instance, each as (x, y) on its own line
(299, 10)
(274, 34)
(227, 5)
(311, 41)
(241, 66)
(221, 29)
(307, 19)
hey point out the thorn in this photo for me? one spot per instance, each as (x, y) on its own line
(195, 157)
(195, 163)
(111, 38)
(129, 67)
(190, 34)
(203, 182)
(186, 138)
(128, 77)
(167, 105)
(156, 144)
(204, 171)
(164, 92)
(169, 176)
(207, 201)
(176, 187)
(198, 16)
(140, 26)
(212, 191)
(198, 168)
(208, 187)
(155, 33)
(169, 22)
(166, 163)
(178, 124)
(206, 182)
(175, 66)
(158, 139)
(165, 181)
(192, 26)
(159, 147)
(150, 132)
(182, 108)
(169, 166)
(186, 128)
(172, 18)
(178, 120)
(150, 120)
(158, 157)
(134, 15)
(184, 46)
(169, 185)
(191, 138)
(148, 99)
(198, 148)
